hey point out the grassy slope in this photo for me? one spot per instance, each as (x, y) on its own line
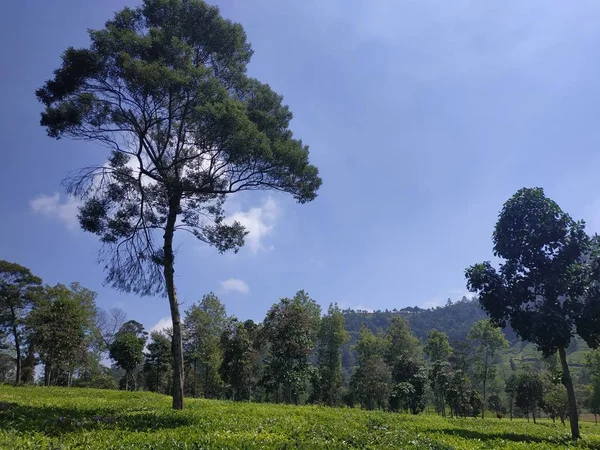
(56, 418)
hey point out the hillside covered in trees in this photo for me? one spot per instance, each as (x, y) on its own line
(455, 319)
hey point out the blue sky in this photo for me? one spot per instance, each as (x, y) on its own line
(423, 118)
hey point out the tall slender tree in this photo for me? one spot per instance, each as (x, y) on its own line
(332, 336)
(204, 324)
(157, 364)
(291, 327)
(240, 365)
(371, 382)
(489, 339)
(164, 87)
(18, 287)
(547, 286)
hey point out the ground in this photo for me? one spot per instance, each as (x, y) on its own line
(60, 418)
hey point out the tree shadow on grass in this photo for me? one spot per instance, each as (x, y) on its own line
(514, 437)
(55, 421)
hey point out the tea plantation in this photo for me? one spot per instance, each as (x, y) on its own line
(57, 418)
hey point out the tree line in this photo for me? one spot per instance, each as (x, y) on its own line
(293, 356)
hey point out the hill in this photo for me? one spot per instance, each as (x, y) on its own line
(455, 319)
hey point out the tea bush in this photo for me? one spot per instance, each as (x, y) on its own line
(60, 418)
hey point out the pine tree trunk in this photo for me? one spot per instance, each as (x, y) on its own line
(169, 271)
(568, 382)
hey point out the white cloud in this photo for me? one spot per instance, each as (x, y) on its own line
(259, 223)
(52, 206)
(162, 324)
(235, 285)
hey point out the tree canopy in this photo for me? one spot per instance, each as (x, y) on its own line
(545, 287)
(164, 87)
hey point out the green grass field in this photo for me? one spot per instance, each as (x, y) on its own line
(55, 418)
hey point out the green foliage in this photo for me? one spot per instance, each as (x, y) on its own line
(555, 402)
(241, 365)
(546, 287)
(291, 328)
(18, 289)
(127, 349)
(61, 326)
(32, 418)
(158, 363)
(437, 347)
(489, 340)
(332, 336)
(371, 383)
(164, 87)
(529, 392)
(203, 326)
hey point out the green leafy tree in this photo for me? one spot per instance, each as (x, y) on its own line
(203, 325)
(61, 324)
(510, 387)
(164, 87)
(157, 363)
(495, 403)
(440, 375)
(593, 401)
(371, 383)
(127, 349)
(463, 357)
(592, 361)
(403, 356)
(546, 287)
(529, 392)
(555, 402)
(332, 336)
(18, 287)
(461, 396)
(291, 327)
(240, 366)
(489, 340)
(437, 347)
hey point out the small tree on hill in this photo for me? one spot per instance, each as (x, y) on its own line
(546, 287)
(164, 87)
